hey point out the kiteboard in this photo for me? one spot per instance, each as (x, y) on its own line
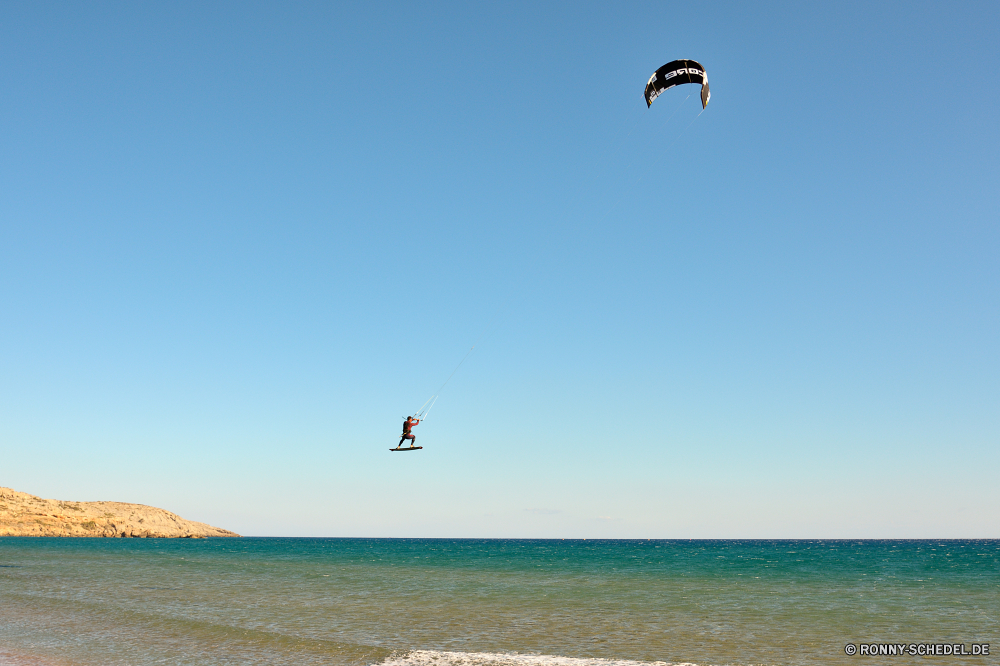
(406, 448)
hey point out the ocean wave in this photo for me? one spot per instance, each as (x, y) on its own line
(436, 658)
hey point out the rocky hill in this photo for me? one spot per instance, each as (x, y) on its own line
(22, 514)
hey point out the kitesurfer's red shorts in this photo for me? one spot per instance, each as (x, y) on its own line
(407, 435)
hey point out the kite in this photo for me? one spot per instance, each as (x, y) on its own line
(674, 74)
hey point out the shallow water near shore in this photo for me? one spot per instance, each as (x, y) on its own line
(431, 602)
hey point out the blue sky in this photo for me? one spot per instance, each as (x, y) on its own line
(239, 242)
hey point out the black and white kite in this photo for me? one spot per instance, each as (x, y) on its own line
(674, 74)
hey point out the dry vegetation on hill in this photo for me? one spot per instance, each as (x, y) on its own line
(22, 514)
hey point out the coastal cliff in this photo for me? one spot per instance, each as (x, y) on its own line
(22, 514)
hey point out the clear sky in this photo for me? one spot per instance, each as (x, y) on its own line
(239, 241)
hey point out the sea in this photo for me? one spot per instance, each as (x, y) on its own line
(496, 602)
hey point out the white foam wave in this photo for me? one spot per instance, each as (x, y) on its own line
(436, 658)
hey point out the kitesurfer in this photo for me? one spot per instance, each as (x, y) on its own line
(407, 425)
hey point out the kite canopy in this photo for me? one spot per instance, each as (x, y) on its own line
(674, 74)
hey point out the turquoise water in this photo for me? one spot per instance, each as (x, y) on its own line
(430, 602)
